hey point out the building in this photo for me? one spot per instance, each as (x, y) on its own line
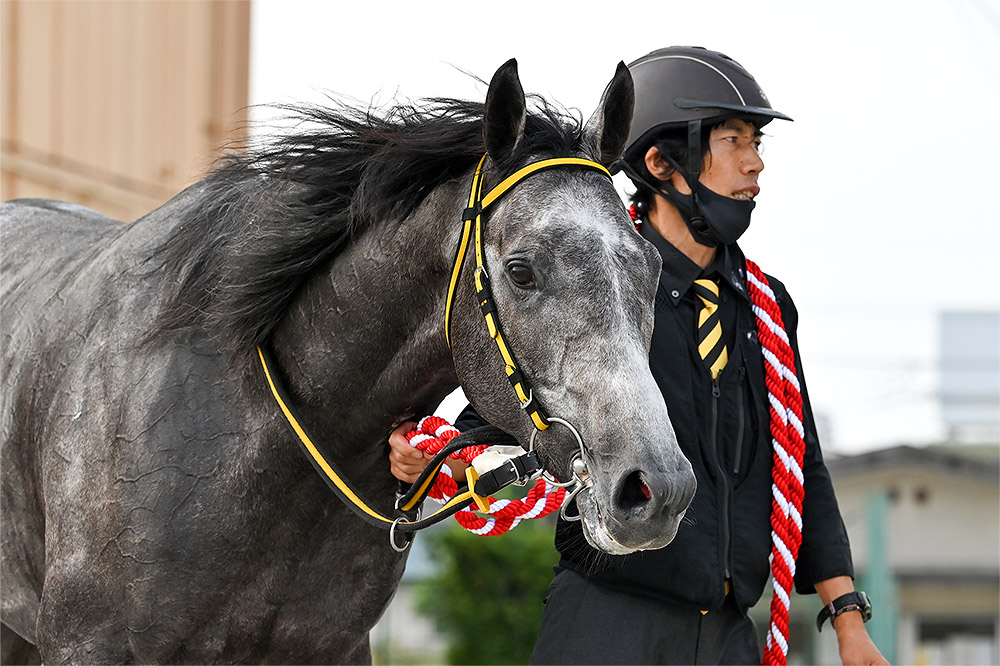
(970, 375)
(925, 533)
(118, 105)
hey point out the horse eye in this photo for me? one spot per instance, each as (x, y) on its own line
(521, 275)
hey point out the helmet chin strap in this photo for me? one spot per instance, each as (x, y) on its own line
(685, 204)
(694, 153)
(688, 204)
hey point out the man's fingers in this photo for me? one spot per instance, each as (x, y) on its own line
(406, 462)
(405, 472)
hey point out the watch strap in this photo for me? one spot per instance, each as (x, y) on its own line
(851, 601)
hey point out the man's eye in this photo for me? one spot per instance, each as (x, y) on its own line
(521, 275)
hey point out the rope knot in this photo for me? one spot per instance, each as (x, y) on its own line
(431, 435)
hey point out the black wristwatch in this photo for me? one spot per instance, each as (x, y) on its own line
(851, 601)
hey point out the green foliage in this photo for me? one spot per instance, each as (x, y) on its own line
(487, 595)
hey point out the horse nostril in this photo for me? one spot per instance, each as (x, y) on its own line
(634, 492)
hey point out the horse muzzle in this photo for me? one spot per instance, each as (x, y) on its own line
(636, 509)
(625, 509)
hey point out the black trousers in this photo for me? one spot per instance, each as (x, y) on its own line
(586, 623)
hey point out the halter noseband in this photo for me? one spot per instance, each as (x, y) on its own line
(474, 214)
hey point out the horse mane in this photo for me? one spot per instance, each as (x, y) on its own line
(271, 215)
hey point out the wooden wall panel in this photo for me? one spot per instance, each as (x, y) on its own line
(33, 101)
(119, 104)
(7, 76)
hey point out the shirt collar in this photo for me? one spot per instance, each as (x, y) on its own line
(679, 272)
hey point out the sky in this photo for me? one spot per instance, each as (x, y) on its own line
(877, 203)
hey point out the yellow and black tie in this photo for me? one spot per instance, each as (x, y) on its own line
(710, 345)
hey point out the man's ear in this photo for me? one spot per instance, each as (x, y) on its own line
(661, 169)
(658, 167)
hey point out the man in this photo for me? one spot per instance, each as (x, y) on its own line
(694, 157)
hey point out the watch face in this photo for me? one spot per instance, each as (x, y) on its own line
(866, 606)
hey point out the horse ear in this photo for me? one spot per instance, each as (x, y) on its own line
(505, 112)
(607, 130)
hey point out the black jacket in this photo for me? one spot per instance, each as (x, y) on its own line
(726, 533)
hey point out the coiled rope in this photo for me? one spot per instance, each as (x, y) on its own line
(431, 435)
(787, 437)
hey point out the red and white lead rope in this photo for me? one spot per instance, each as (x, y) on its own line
(431, 435)
(787, 437)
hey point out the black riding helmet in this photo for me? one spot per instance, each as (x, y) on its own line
(678, 86)
(688, 89)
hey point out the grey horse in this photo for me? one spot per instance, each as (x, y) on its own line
(156, 506)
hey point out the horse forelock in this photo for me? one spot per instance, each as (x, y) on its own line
(270, 217)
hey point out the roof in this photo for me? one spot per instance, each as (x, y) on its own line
(977, 461)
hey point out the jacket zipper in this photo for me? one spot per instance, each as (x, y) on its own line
(716, 393)
(737, 455)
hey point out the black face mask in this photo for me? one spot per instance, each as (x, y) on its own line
(713, 219)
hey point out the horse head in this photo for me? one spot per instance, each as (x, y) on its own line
(573, 286)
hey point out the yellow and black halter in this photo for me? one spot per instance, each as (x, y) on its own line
(473, 222)
(472, 219)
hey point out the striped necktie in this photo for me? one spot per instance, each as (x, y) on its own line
(710, 345)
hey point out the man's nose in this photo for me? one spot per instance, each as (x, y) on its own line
(753, 162)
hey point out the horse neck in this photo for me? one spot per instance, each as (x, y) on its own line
(363, 347)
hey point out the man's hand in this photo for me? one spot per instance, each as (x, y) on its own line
(856, 646)
(405, 462)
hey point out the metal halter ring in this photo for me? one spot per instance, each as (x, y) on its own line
(579, 440)
(392, 538)
(566, 502)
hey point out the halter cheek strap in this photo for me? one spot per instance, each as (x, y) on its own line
(473, 224)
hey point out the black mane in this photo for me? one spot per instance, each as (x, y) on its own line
(274, 214)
